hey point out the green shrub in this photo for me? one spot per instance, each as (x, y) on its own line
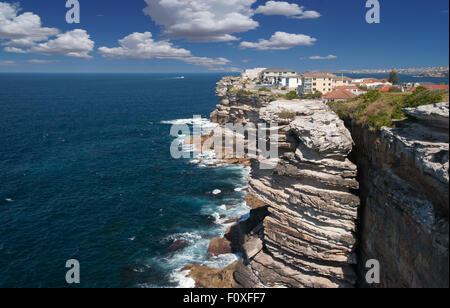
(315, 95)
(395, 90)
(264, 89)
(397, 113)
(371, 96)
(379, 120)
(422, 96)
(243, 92)
(292, 95)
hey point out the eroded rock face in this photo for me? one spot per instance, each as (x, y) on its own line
(303, 226)
(309, 234)
(404, 190)
(434, 115)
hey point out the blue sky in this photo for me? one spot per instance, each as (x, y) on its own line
(215, 35)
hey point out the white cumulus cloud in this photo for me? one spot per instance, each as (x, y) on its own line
(75, 43)
(206, 62)
(22, 30)
(24, 33)
(286, 9)
(329, 57)
(280, 41)
(142, 46)
(202, 20)
(139, 46)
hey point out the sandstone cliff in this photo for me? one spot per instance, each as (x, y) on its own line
(318, 216)
(404, 180)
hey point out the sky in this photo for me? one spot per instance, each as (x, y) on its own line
(148, 36)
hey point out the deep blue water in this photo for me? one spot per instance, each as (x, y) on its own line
(86, 174)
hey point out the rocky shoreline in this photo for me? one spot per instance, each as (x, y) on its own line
(309, 224)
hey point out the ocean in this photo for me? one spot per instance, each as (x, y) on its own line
(86, 174)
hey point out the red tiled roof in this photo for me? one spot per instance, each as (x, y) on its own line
(346, 88)
(372, 81)
(386, 89)
(340, 94)
(434, 87)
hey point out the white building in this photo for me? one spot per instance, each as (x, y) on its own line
(275, 75)
(291, 82)
(372, 83)
(252, 73)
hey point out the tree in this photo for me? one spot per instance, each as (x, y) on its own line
(393, 77)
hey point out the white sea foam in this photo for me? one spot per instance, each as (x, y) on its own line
(196, 251)
(182, 280)
(239, 189)
(192, 121)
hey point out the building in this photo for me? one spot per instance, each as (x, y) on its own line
(372, 83)
(322, 82)
(291, 82)
(339, 96)
(252, 74)
(433, 87)
(275, 75)
(353, 89)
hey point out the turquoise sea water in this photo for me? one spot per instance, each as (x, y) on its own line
(86, 174)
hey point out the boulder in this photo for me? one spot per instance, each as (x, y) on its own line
(433, 115)
(219, 246)
(206, 277)
(178, 245)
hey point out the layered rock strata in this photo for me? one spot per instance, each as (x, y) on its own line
(301, 231)
(404, 191)
(304, 224)
(309, 235)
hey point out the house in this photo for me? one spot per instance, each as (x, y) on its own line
(433, 87)
(275, 75)
(353, 89)
(389, 88)
(339, 96)
(322, 82)
(372, 83)
(252, 74)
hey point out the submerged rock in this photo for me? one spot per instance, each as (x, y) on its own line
(178, 245)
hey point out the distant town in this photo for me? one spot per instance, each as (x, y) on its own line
(331, 87)
(435, 71)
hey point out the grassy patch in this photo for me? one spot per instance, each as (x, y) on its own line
(377, 109)
(243, 92)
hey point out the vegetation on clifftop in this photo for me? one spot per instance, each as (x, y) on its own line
(377, 109)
